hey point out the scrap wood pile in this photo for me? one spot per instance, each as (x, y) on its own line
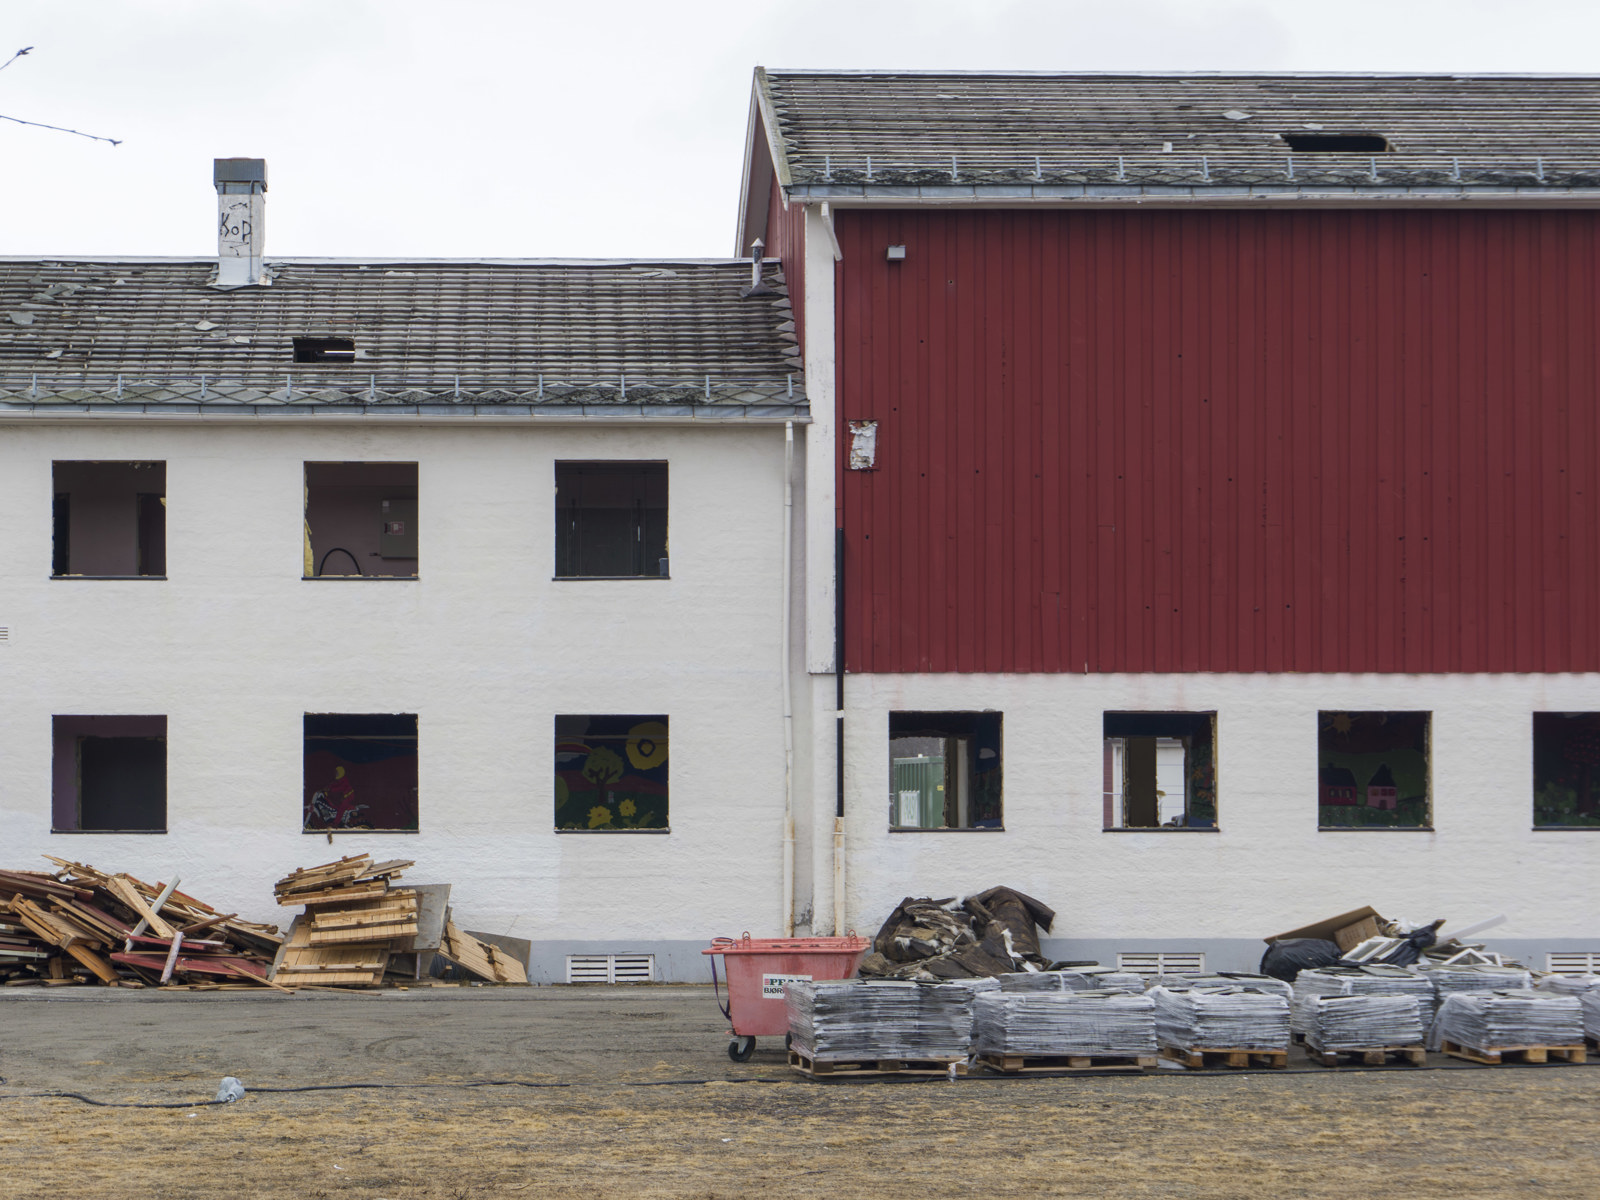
(80, 925)
(354, 921)
(990, 934)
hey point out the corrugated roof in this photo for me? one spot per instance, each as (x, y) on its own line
(861, 131)
(152, 331)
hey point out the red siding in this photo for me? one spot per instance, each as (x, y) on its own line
(786, 240)
(1320, 441)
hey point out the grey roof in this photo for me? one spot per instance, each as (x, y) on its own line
(143, 332)
(1050, 136)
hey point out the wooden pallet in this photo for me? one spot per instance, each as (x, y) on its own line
(1028, 1064)
(1199, 1058)
(860, 1068)
(1371, 1056)
(1518, 1054)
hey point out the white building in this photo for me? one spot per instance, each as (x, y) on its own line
(474, 563)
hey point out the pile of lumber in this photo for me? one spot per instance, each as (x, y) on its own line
(82, 925)
(356, 924)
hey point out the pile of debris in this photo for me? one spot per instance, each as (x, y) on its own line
(356, 927)
(974, 937)
(1363, 937)
(80, 925)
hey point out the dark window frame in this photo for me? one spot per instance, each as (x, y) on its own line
(977, 788)
(1370, 761)
(1197, 730)
(577, 545)
(626, 767)
(330, 800)
(149, 549)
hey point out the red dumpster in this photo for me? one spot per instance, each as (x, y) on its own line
(757, 969)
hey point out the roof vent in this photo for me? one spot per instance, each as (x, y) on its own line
(1336, 143)
(324, 350)
(241, 220)
(758, 286)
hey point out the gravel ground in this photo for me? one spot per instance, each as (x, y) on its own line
(645, 1103)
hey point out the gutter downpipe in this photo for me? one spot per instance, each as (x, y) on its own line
(839, 924)
(788, 700)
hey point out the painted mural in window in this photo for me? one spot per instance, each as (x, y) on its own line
(1566, 770)
(611, 773)
(360, 772)
(1372, 770)
(944, 770)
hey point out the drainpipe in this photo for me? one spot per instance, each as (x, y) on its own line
(839, 923)
(788, 701)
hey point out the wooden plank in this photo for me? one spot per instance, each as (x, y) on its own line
(383, 933)
(1523, 1054)
(859, 1068)
(1028, 1064)
(1199, 1058)
(483, 960)
(120, 887)
(337, 895)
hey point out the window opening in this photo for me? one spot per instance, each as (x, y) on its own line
(109, 774)
(944, 770)
(611, 773)
(611, 520)
(109, 520)
(1337, 143)
(360, 772)
(324, 350)
(1372, 770)
(360, 520)
(1566, 770)
(1159, 770)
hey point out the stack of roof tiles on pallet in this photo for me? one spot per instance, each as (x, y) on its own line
(351, 920)
(858, 1021)
(1240, 1022)
(1478, 977)
(1530, 1025)
(1012, 1027)
(1233, 979)
(1363, 1022)
(81, 924)
(1083, 979)
(1367, 980)
(1590, 1001)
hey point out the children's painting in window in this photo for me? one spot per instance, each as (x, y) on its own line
(1372, 770)
(1566, 769)
(360, 772)
(611, 773)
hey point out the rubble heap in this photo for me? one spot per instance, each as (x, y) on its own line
(990, 934)
(81, 925)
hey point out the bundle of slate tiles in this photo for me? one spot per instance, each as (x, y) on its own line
(1260, 983)
(1079, 979)
(855, 1020)
(1499, 1020)
(1357, 1022)
(1590, 1002)
(1568, 985)
(1370, 980)
(1234, 1018)
(1475, 977)
(1119, 1024)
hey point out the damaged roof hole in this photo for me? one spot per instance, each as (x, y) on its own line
(324, 350)
(1337, 143)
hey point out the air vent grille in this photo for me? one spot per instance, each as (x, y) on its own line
(1573, 962)
(611, 968)
(5, 634)
(1163, 962)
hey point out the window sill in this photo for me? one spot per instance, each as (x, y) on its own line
(160, 577)
(946, 829)
(1161, 829)
(1566, 828)
(348, 832)
(359, 578)
(1375, 829)
(605, 578)
(115, 831)
(614, 832)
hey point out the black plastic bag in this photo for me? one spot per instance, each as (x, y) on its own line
(1286, 959)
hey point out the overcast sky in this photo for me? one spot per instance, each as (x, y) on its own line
(483, 128)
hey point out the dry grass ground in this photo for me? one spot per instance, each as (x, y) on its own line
(1353, 1135)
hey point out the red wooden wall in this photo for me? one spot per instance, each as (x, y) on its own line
(786, 240)
(1222, 441)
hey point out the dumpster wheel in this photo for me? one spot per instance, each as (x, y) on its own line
(741, 1048)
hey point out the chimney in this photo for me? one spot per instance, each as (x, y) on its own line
(241, 221)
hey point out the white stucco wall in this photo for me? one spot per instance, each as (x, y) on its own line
(1268, 869)
(234, 647)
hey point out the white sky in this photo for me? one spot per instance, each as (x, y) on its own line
(486, 128)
